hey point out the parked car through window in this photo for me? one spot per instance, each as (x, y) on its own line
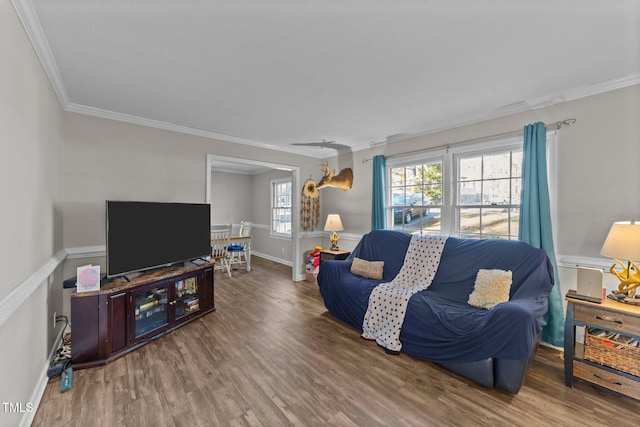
(409, 207)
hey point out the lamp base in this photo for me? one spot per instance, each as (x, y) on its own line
(333, 238)
(629, 278)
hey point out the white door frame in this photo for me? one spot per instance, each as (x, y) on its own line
(296, 271)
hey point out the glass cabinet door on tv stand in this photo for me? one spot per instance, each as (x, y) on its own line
(151, 309)
(161, 305)
(187, 298)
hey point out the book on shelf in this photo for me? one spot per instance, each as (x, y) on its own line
(149, 304)
(192, 308)
(190, 284)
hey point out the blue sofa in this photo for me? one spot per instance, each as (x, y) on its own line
(492, 347)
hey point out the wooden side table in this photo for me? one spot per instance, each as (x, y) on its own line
(609, 316)
(327, 254)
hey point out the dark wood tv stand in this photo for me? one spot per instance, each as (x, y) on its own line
(125, 315)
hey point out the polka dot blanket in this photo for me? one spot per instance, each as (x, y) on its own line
(388, 301)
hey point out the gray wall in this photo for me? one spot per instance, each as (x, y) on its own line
(231, 199)
(31, 158)
(598, 173)
(136, 163)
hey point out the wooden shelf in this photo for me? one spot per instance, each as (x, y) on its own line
(608, 316)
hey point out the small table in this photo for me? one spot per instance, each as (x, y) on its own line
(328, 254)
(609, 316)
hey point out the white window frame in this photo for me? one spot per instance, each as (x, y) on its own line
(448, 221)
(274, 208)
(432, 158)
(507, 147)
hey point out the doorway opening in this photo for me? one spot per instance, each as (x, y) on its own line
(217, 165)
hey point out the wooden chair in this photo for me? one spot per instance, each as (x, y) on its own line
(239, 253)
(220, 235)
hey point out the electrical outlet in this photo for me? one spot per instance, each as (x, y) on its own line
(55, 315)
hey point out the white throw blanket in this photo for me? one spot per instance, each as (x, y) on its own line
(388, 301)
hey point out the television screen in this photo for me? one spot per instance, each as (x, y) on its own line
(144, 235)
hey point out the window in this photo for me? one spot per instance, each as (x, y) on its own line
(281, 206)
(466, 193)
(488, 194)
(416, 197)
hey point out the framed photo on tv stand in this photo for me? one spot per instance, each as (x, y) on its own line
(88, 277)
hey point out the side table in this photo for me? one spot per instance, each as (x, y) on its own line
(601, 365)
(327, 254)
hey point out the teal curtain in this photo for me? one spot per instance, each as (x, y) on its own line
(378, 195)
(535, 220)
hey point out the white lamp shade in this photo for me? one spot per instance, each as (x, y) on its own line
(623, 241)
(333, 223)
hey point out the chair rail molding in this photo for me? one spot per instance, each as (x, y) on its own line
(574, 261)
(23, 290)
(18, 295)
(86, 252)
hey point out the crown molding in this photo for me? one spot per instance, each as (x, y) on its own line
(32, 27)
(127, 118)
(34, 31)
(515, 108)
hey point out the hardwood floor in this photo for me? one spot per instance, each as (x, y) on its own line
(271, 355)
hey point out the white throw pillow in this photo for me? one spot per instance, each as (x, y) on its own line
(491, 288)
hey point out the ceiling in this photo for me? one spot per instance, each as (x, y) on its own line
(319, 76)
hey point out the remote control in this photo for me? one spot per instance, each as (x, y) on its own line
(67, 379)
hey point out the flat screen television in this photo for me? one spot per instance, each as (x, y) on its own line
(146, 235)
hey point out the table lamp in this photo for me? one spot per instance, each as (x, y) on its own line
(623, 243)
(333, 224)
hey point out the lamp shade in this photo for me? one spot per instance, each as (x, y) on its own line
(333, 223)
(623, 241)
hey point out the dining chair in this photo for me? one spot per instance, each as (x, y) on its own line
(220, 235)
(239, 253)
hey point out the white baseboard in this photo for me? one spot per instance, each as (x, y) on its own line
(286, 262)
(558, 349)
(38, 392)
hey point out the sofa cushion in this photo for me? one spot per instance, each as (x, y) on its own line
(368, 269)
(491, 288)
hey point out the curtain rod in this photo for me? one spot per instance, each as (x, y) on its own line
(549, 126)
